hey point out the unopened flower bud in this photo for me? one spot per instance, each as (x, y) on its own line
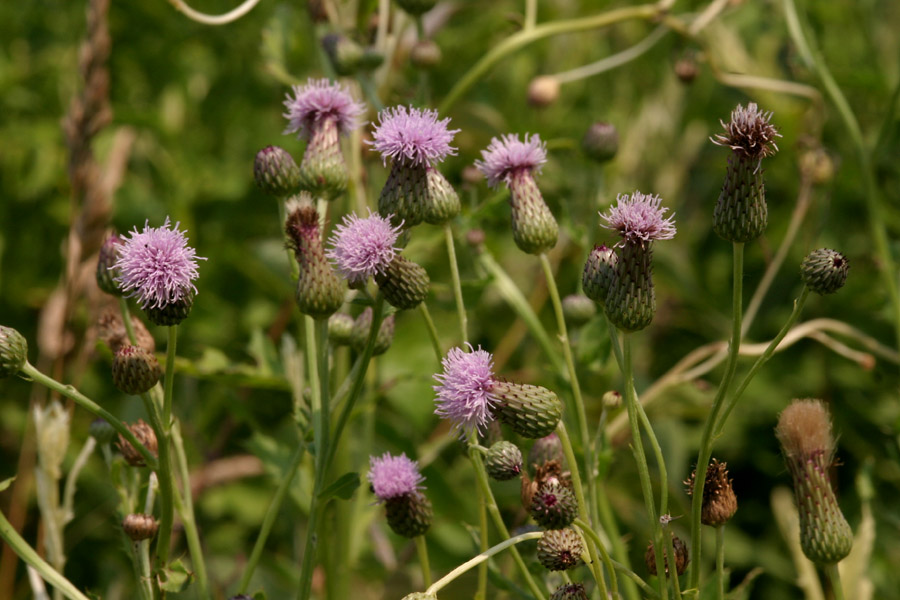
(425, 54)
(631, 302)
(102, 431)
(578, 309)
(612, 400)
(475, 239)
(172, 313)
(111, 329)
(818, 165)
(599, 273)
(570, 591)
(686, 69)
(275, 172)
(361, 327)
(554, 506)
(417, 192)
(534, 227)
(719, 502)
(106, 273)
(545, 450)
(404, 284)
(409, 515)
(13, 351)
(503, 461)
(372, 58)
(682, 557)
(560, 549)
(135, 371)
(543, 91)
(145, 435)
(323, 171)
(344, 54)
(139, 527)
(824, 271)
(340, 329)
(804, 430)
(601, 142)
(531, 411)
(320, 292)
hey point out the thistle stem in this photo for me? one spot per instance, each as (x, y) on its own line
(706, 439)
(649, 591)
(595, 541)
(432, 331)
(164, 477)
(172, 340)
(126, 320)
(720, 562)
(457, 284)
(185, 508)
(422, 549)
(834, 576)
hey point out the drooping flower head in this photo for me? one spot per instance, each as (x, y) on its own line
(509, 155)
(413, 136)
(639, 219)
(464, 393)
(321, 100)
(393, 476)
(157, 266)
(749, 132)
(360, 248)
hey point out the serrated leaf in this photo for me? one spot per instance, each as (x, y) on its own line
(342, 487)
(175, 578)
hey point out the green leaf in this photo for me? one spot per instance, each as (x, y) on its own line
(175, 578)
(6, 483)
(343, 487)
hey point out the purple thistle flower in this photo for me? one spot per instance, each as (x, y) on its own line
(320, 100)
(465, 392)
(156, 265)
(749, 132)
(360, 248)
(413, 136)
(639, 219)
(508, 155)
(393, 476)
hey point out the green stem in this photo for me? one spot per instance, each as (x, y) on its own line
(185, 508)
(422, 549)
(170, 376)
(126, 319)
(673, 573)
(706, 439)
(457, 284)
(432, 331)
(834, 576)
(649, 591)
(595, 541)
(141, 553)
(587, 443)
(92, 407)
(483, 546)
(531, 35)
(608, 521)
(484, 485)
(164, 477)
(657, 453)
(510, 543)
(720, 562)
(30, 557)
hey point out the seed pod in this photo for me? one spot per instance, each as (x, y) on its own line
(139, 527)
(560, 549)
(719, 501)
(531, 411)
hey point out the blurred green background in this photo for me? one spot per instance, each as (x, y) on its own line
(200, 101)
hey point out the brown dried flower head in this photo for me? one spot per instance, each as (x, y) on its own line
(145, 435)
(140, 527)
(111, 329)
(719, 501)
(549, 472)
(682, 557)
(749, 133)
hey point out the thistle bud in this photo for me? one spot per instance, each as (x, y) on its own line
(111, 329)
(578, 309)
(570, 591)
(340, 329)
(599, 273)
(425, 54)
(545, 450)
(560, 549)
(139, 527)
(344, 54)
(686, 69)
(106, 273)
(503, 461)
(531, 411)
(145, 435)
(534, 227)
(824, 271)
(323, 171)
(554, 506)
(135, 371)
(275, 172)
(372, 58)
(546, 473)
(543, 91)
(600, 142)
(612, 400)
(409, 515)
(361, 333)
(404, 284)
(631, 301)
(719, 502)
(319, 291)
(682, 557)
(416, 7)
(13, 351)
(102, 431)
(804, 430)
(417, 192)
(172, 313)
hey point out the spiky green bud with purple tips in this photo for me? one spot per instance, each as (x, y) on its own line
(503, 461)
(404, 284)
(599, 273)
(13, 351)
(554, 506)
(106, 260)
(320, 292)
(134, 370)
(531, 411)
(824, 271)
(275, 172)
(560, 549)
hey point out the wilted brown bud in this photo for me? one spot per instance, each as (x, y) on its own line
(140, 527)
(682, 557)
(145, 435)
(111, 329)
(719, 501)
(543, 91)
(686, 69)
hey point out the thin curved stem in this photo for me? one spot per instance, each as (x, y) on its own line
(165, 479)
(320, 426)
(188, 518)
(457, 284)
(595, 541)
(432, 331)
(834, 576)
(126, 320)
(720, 562)
(207, 19)
(171, 343)
(616, 60)
(617, 565)
(422, 549)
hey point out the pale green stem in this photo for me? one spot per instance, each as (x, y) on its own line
(660, 461)
(30, 557)
(649, 591)
(432, 331)
(170, 376)
(706, 439)
(530, 14)
(834, 576)
(720, 562)
(484, 485)
(483, 545)
(614, 61)
(271, 513)
(185, 508)
(509, 543)
(126, 319)
(164, 477)
(587, 443)
(608, 520)
(595, 541)
(422, 549)
(92, 407)
(457, 285)
(582, 507)
(141, 555)
(673, 572)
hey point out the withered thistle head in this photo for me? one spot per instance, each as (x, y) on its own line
(139, 527)
(719, 501)
(749, 132)
(682, 557)
(145, 435)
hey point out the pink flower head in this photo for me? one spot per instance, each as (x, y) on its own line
(320, 100)
(360, 248)
(156, 265)
(639, 219)
(413, 136)
(392, 476)
(464, 395)
(749, 132)
(508, 155)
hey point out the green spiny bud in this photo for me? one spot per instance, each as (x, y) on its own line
(600, 142)
(531, 411)
(275, 172)
(361, 333)
(404, 284)
(344, 54)
(109, 253)
(416, 7)
(13, 351)
(570, 591)
(323, 171)
(534, 226)
(441, 202)
(425, 54)
(372, 58)
(503, 461)
(172, 313)
(134, 370)
(682, 557)
(554, 506)
(578, 309)
(340, 329)
(824, 271)
(599, 273)
(139, 527)
(102, 431)
(409, 515)
(146, 436)
(741, 213)
(631, 302)
(401, 196)
(320, 292)
(560, 549)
